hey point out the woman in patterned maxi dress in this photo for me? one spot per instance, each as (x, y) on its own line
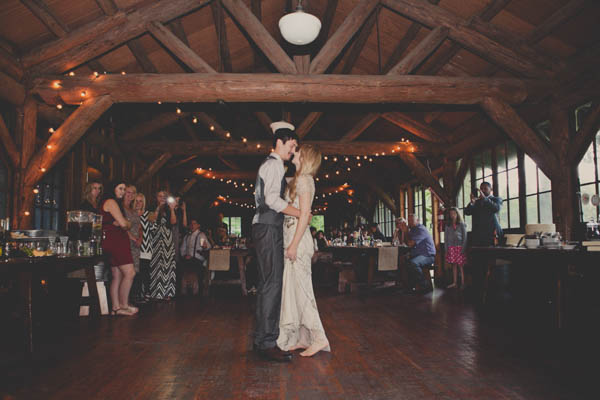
(162, 263)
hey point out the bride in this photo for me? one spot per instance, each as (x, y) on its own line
(300, 326)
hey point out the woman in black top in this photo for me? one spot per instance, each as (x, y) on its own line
(91, 196)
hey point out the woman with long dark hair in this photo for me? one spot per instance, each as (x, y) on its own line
(116, 247)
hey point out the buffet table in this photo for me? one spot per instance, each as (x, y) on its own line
(29, 268)
(556, 260)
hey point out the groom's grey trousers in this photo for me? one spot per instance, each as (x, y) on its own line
(268, 243)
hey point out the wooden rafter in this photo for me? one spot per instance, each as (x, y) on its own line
(153, 125)
(108, 6)
(154, 167)
(10, 65)
(256, 6)
(359, 43)
(141, 57)
(566, 12)
(178, 30)
(219, 20)
(65, 137)
(183, 161)
(177, 47)
(401, 47)
(213, 126)
(8, 143)
(307, 123)
(92, 42)
(145, 88)
(465, 165)
(342, 36)
(28, 138)
(262, 147)
(11, 90)
(261, 37)
(420, 53)
(518, 130)
(425, 176)
(460, 31)
(327, 21)
(188, 185)
(361, 126)
(45, 15)
(586, 135)
(265, 122)
(229, 163)
(417, 128)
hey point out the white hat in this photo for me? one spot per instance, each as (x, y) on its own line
(281, 124)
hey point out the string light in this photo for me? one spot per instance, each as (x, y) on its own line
(49, 147)
(123, 72)
(195, 120)
(36, 190)
(227, 134)
(59, 106)
(244, 140)
(56, 85)
(258, 146)
(26, 213)
(212, 128)
(96, 74)
(83, 93)
(325, 157)
(72, 73)
(159, 102)
(51, 130)
(178, 110)
(43, 169)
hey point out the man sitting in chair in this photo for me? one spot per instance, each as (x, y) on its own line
(193, 259)
(422, 254)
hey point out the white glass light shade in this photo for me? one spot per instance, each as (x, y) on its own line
(299, 27)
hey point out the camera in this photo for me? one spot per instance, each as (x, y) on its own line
(171, 200)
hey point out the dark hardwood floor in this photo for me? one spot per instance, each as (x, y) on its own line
(384, 346)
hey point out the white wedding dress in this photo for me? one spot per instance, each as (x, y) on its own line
(299, 323)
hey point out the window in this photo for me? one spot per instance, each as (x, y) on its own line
(428, 206)
(318, 221)
(418, 200)
(383, 216)
(405, 203)
(588, 169)
(47, 202)
(538, 194)
(234, 225)
(464, 198)
(508, 185)
(483, 168)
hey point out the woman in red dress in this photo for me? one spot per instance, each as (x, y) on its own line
(115, 245)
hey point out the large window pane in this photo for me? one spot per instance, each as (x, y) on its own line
(546, 208)
(428, 211)
(545, 183)
(514, 213)
(589, 210)
(503, 216)
(487, 163)
(512, 159)
(530, 176)
(513, 183)
(318, 221)
(468, 222)
(501, 157)
(502, 185)
(532, 212)
(586, 166)
(477, 163)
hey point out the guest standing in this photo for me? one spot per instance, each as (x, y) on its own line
(135, 235)
(116, 247)
(148, 231)
(91, 197)
(455, 245)
(484, 208)
(162, 264)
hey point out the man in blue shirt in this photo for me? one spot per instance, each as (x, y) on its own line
(422, 253)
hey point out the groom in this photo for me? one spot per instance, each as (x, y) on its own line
(267, 235)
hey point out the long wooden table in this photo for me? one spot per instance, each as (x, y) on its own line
(27, 268)
(355, 252)
(556, 260)
(240, 255)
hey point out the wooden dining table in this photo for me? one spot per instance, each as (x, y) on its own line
(557, 262)
(240, 256)
(27, 269)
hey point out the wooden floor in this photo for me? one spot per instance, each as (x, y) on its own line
(384, 346)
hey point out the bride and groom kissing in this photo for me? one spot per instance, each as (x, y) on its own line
(287, 318)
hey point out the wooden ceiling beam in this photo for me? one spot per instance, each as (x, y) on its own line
(586, 135)
(9, 144)
(265, 122)
(520, 132)
(184, 161)
(153, 125)
(327, 21)
(362, 125)
(307, 123)
(154, 167)
(90, 42)
(229, 163)
(141, 57)
(45, 15)
(420, 53)
(261, 37)
(65, 137)
(417, 128)
(178, 48)
(145, 88)
(213, 126)
(221, 30)
(108, 6)
(262, 147)
(359, 43)
(342, 36)
(425, 176)
(188, 185)
(10, 65)
(11, 90)
(178, 30)
(563, 14)
(460, 31)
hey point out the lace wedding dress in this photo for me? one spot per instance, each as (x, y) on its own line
(299, 323)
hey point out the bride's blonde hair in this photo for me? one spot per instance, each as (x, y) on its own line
(310, 163)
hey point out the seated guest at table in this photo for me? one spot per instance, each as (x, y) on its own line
(193, 256)
(484, 208)
(115, 246)
(91, 196)
(398, 237)
(210, 238)
(313, 233)
(375, 232)
(455, 244)
(422, 254)
(321, 240)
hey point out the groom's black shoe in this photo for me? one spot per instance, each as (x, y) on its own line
(275, 354)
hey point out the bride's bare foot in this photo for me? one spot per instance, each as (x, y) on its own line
(452, 286)
(314, 349)
(297, 347)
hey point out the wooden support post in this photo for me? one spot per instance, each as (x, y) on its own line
(425, 176)
(585, 135)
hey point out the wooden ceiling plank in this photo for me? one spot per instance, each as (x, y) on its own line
(417, 128)
(401, 47)
(361, 126)
(307, 124)
(143, 88)
(178, 48)
(45, 15)
(586, 134)
(10, 65)
(11, 90)
(327, 21)
(342, 36)
(9, 144)
(108, 6)
(141, 57)
(65, 137)
(155, 124)
(262, 147)
(359, 43)
(520, 132)
(492, 9)
(261, 37)
(98, 42)
(221, 30)
(420, 52)
(154, 167)
(563, 14)
(433, 16)
(425, 176)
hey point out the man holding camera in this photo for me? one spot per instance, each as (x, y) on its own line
(484, 208)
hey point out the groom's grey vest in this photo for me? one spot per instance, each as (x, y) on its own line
(265, 214)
